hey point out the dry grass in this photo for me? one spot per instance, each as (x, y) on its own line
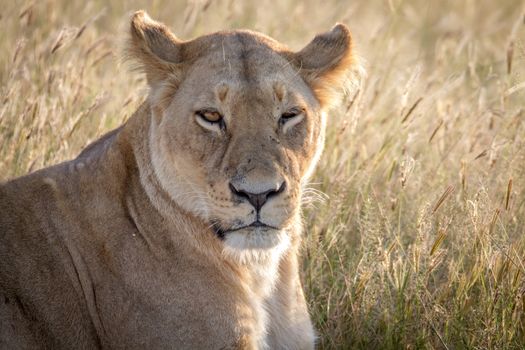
(421, 241)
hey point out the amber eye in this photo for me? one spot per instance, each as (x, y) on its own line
(210, 119)
(210, 116)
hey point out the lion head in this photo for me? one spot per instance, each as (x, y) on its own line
(238, 123)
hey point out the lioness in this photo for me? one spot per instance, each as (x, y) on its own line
(181, 228)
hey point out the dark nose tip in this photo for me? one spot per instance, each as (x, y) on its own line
(257, 199)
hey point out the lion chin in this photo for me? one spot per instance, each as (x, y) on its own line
(251, 244)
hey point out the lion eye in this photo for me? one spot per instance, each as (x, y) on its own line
(210, 119)
(291, 118)
(210, 116)
(287, 116)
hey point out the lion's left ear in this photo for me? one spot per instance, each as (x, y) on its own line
(325, 63)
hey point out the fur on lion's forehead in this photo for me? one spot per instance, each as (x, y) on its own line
(238, 44)
(229, 88)
(237, 60)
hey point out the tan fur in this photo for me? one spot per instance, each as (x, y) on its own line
(141, 242)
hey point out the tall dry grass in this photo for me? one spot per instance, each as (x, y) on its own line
(416, 228)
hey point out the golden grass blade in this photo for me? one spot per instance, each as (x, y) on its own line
(443, 197)
(438, 241)
(414, 106)
(509, 192)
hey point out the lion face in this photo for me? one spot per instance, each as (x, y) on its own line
(237, 127)
(241, 142)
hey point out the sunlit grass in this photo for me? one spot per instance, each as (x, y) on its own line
(419, 241)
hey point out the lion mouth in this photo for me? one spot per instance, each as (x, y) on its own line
(256, 225)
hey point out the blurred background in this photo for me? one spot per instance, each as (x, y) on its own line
(415, 219)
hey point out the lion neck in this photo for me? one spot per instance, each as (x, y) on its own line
(157, 207)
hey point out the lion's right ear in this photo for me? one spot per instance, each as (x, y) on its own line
(154, 47)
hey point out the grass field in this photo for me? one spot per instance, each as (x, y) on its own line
(416, 226)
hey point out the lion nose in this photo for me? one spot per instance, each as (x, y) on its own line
(257, 199)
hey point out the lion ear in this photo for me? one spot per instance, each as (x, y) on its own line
(154, 47)
(325, 63)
